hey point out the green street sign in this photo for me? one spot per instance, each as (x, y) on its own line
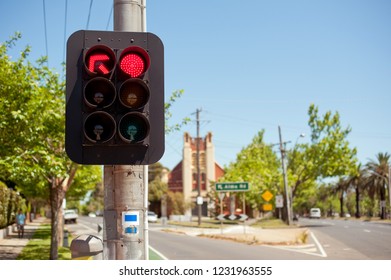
(232, 187)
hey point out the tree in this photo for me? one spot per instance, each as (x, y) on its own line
(258, 165)
(168, 114)
(357, 180)
(328, 154)
(32, 153)
(341, 188)
(377, 179)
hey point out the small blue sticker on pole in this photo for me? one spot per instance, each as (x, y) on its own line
(131, 230)
(130, 218)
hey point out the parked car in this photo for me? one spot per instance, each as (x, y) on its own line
(99, 213)
(315, 213)
(152, 217)
(70, 216)
(92, 215)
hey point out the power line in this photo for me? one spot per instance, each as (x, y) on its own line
(65, 29)
(108, 21)
(89, 14)
(46, 34)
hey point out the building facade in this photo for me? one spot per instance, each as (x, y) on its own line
(183, 178)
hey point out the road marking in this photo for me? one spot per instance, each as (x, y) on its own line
(322, 251)
(158, 253)
(309, 249)
(367, 230)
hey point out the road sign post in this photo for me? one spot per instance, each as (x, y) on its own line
(232, 187)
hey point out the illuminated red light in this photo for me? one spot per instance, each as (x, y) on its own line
(99, 60)
(132, 64)
(96, 63)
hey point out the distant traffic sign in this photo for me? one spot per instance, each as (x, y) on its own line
(232, 187)
(267, 207)
(279, 201)
(267, 196)
(240, 217)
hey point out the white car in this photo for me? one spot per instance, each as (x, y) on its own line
(315, 213)
(70, 216)
(152, 217)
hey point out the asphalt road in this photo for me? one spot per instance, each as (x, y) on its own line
(328, 239)
(352, 239)
(183, 247)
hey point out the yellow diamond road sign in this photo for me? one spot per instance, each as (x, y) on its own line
(267, 195)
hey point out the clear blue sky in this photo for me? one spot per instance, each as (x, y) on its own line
(249, 65)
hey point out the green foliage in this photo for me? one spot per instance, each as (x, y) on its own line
(168, 114)
(10, 203)
(328, 155)
(177, 203)
(86, 180)
(377, 179)
(32, 131)
(96, 200)
(258, 165)
(157, 187)
(32, 154)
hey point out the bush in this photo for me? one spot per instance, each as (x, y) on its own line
(10, 203)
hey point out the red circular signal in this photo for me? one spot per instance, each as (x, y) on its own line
(134, 62)
(99, 60)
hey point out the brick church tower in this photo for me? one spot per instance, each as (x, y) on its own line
(183, 178)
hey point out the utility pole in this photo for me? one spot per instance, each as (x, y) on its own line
(389, 189)
(126, 186)
(286, 187)
(199, 198)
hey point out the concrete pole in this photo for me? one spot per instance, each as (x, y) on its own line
(126, 186)
(286, 187)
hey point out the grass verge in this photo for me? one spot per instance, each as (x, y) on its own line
(38, 247)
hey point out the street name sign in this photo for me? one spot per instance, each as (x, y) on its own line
(232, 187)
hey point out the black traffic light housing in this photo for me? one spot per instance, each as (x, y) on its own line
(114, 98)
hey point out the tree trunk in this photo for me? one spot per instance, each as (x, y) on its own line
(341, 204)
(358, 214)
(56, 198)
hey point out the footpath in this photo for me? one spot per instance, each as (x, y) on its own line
(11, 246)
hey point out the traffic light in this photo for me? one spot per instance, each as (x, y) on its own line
(114, 98)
